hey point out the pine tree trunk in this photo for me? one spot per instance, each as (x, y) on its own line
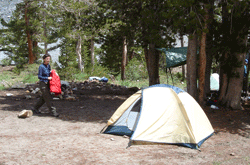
(124, 58)
(45, 35)
(209, 47)
(183, 66)
(79, 54)
(146, 52)
(31, 56)
(153, 65)
(248, 68)
(192, 66)
(209, 59)
(92, 52)
(202, 69)
(225, 55)
(223, 79)
(202, 63)
(232, 96)
(45, 31)
(35, 49)
(234, 88)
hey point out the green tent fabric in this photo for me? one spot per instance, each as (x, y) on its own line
(175, 56)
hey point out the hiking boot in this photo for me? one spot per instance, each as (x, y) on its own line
(35, 111)
(54, 113)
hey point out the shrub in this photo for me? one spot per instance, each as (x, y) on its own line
(16, 70)
(80, 76)
(2, 87)
(68, 73)
(136, 70)
(6, 61)
(97, 70)
(30, 78)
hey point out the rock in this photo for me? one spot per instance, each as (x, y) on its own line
(9, 94)
(214, 107)
(71, 98)
(65, 83)
(19, 85)
(35, 91)
(25, 114)
(28, 97)
(5, 84)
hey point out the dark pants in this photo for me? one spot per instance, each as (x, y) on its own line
(244, 87)
(46, 96)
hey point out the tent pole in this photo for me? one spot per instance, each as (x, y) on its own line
(104, 128)
(129, 143)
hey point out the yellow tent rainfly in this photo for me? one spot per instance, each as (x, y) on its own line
(161, 114)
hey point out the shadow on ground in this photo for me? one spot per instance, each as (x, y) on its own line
(91, 106)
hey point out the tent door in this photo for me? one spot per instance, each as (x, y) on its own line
(134, 115)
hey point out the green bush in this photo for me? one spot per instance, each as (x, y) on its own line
(6, 61)
(135, 83)
(26, 69)
(136, 70)
(30, 78)
(31, 69)
(16, 70)
(177, 79)
(72, 73)
(98, 71)
(2, 87)
(178, 75)
(80, 76)
(68, 73)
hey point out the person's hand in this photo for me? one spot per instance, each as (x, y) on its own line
(49, 78)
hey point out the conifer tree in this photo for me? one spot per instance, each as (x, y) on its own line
(77, 24)
(146, 24)
(26, 29)
(15, 35)
(234, 30)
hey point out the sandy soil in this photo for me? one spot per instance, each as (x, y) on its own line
(74, 137)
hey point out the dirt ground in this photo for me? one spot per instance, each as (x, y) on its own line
(74, 137)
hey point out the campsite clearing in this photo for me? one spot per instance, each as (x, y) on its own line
(74, 137)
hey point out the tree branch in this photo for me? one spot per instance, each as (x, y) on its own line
(55, 47)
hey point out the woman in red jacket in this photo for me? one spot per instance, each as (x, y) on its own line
(44, 77)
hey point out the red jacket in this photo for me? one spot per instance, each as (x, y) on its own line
(55, 83)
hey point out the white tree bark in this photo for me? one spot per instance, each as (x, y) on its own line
(92, 52)
(79, 54)
(124, 58)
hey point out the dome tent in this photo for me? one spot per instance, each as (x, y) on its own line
(161, 114)
(214, 82)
